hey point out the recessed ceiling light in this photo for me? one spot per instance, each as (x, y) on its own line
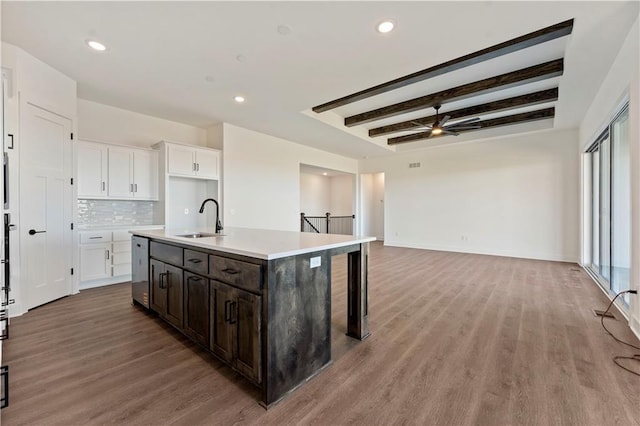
(324, 174)
(284, 30)
(96, 45)
(239, 99)
(386, 26)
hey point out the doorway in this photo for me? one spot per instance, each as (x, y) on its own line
(45, 205)
(609, 158)
(372, 202)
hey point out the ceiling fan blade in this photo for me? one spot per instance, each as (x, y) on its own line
(455, 128)
(420, 125)
(449, 132)
(470, 120)
(444, 120)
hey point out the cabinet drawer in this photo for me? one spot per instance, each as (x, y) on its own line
(122, 247)
(236, 272)
(120, 258)
(167, 253)
(124, 269)
(196, 261)
(121, 236)
(90, 237)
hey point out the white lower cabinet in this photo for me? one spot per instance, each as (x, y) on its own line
(105, 257)
(94, 261)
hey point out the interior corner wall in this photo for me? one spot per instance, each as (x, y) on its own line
(315, 194)
(513, 196)
(622, 82)
(104, 123)
(341, 195)
(261, 183)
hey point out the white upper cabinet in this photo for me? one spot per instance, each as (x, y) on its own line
(92, 170)
(207, 164)
(116, 172)
(193, 162)
(145, 174)
(120, 173)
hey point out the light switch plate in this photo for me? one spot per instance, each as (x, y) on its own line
(315, 262)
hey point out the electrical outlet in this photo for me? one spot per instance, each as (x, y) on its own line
(186, 211)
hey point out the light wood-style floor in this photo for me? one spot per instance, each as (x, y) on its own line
(457, 339)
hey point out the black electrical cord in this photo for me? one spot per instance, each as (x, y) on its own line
(635, 357)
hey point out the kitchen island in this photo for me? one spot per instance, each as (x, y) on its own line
(259, 300)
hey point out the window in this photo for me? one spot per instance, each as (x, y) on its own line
(611, 205)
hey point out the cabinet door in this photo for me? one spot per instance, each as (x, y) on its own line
(94, 261)
(196, 305)
(92, 170)
(221, 296)
(120, 173)
(207, 164)
(180, 161)
(145, 175)
(158, 287)
(246, 320)
(175, 297)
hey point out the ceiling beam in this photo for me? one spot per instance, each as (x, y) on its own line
(512, 79)
(524, 117)
(537, 37)
(535, 98)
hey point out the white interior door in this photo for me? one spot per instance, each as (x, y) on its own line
(45, 205)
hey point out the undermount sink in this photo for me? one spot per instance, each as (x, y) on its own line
(199, 235)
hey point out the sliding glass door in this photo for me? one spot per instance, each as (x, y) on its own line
(610, 205)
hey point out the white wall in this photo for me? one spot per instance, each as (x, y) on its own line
(622, 81)
(513, 196)
(315, 194)
(372, 202)
(261, 183)
(341, 195)
(105, 123)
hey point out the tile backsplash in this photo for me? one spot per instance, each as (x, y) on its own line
(116, 212)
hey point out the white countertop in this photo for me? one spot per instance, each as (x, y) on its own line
(117, 227)
(258, 243)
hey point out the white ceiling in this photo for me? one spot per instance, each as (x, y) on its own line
(160, 55)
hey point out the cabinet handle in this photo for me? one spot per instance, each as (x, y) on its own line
(162, 280)
(103, 186)
(135, 186)
(107, 254)
(230, 271)
(232, 308)
(194, 260)
(168, 285)
(194, 278)
(197, 167)
(193, 167)
(95, 238)
(226, 310)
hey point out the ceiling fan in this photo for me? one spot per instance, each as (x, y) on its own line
(439, 128)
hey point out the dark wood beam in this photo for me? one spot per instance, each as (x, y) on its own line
(524, 117)
(537, 37)
(512, 79)
(535, 98)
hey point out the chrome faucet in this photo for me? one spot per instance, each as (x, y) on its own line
(218, 224)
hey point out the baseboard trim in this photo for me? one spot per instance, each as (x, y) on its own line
(534, 256)
(84, 285)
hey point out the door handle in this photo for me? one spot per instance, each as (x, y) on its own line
(232, 307)
(34, 232)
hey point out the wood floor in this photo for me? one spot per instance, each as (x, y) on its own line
(457, 339)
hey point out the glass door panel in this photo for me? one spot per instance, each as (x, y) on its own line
(620, 204)
(595, 210)
(605, 208)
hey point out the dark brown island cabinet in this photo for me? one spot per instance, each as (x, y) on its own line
(258, 300)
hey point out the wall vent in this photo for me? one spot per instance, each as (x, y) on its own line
(414, 165)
